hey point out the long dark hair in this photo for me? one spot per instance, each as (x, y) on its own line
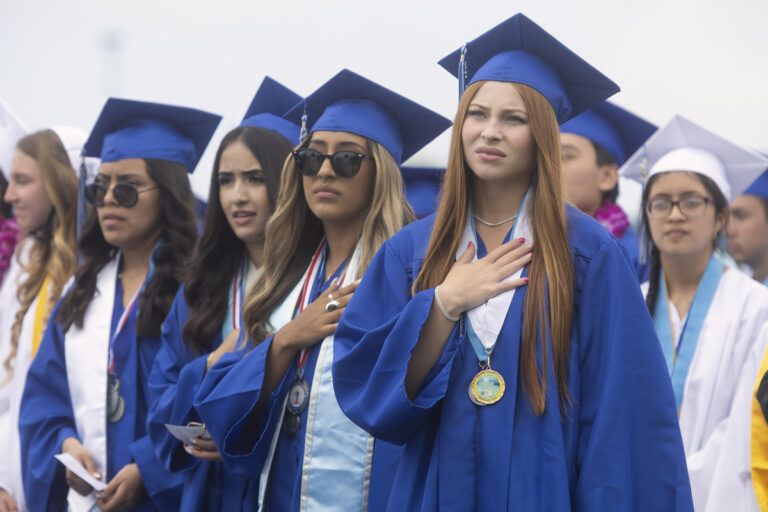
(219, 251)
(5, 209)
(721, 208)
(177, 240)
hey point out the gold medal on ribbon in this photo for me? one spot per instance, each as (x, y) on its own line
(487, 387)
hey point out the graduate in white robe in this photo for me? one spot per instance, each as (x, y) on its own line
(87, 392)
(441, 348)
(43, 190)
(243, 193)
(271, 407)
(712, 320)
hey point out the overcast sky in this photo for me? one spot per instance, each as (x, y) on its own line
(60, 60)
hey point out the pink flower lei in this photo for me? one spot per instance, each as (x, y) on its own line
(613, 218)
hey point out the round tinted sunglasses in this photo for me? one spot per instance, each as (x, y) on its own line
(125, 194)
(344, 163)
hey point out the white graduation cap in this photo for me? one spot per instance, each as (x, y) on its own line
(11, 130)
(682, 145)
(73, 139)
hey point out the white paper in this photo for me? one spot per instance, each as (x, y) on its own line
(187, 434)
(74, 466)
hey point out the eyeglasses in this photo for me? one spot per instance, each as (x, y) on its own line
(125, 194)
(691, 206)
(344, 163)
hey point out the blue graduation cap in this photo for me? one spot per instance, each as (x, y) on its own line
(271, 101)
(518, 50)
(351, 103)
(618, 131)
(422, 188)
(759, 187)
(140, 129)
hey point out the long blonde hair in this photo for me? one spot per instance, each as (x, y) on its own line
(293, 233)
(53, 254)
(551, 271)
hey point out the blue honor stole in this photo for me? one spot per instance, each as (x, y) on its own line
(679, 358)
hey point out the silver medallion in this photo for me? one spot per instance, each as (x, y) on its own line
(298, 396)
(115, 402)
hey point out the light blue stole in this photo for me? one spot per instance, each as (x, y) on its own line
(338, 455)
(234, 318)
(679, 361)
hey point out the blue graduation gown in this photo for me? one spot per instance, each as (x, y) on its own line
(46, 419)
(631, 244)
(174, 382)
(228, 394)
(617, 448)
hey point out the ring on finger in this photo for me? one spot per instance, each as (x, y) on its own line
(333, 304)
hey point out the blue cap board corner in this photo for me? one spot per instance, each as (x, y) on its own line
(520, 51)
(267, 107)
(140, 129)
(352, 103)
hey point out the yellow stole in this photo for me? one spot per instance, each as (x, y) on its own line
(759, 444)
(38, 328)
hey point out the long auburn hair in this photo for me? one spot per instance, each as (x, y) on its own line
(177, 240)
(294, 232)
(52, 254)
(216, 259)
(548, 306)
(654, 278)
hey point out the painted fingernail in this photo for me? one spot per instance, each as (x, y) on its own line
(469, 245)
(525, 280)
(521, 239)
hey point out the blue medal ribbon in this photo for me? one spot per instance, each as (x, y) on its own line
(679, 358)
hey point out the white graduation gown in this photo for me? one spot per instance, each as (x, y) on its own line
(10, 392)
(715, 413)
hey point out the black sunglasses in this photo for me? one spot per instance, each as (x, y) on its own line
(344, 163)
(125, 194)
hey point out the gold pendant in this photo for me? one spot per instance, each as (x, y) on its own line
(487, 387)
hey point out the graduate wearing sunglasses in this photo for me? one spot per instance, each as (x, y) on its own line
(504, 340)
(243, 195)
(711, 320)
(271, 408)
(87, 389)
